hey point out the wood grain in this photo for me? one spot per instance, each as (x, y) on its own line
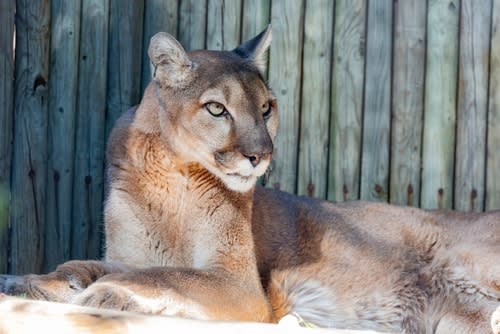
(493, 151)
(315, 106)
(88, 181)
(223, 24)
(472, 104)
(255, 17)
(159, 15)
(377, 102)
(407, 101)
(7, 12)
(124, 58)
(438, 144)
(29, 164)
(63, 85)
(347, 100)
(285, 77)
(192, 24)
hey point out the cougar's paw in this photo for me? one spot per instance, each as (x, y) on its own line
(50, 287)
(111, 296)
(62, 285)
(13, 285)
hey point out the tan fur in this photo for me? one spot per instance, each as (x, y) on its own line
(188, 234)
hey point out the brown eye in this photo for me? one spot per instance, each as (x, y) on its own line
(215, 108)
(267, 110)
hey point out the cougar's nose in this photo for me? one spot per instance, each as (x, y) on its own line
(255, 158)
(256, 145)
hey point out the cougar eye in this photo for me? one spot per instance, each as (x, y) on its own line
(267, 107)
(215, 108)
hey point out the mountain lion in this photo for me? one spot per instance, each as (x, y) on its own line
(189, 234)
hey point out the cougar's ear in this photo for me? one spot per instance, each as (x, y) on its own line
(255, 49)
(171, 64)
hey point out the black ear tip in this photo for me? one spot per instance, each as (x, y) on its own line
(250, 47)
(265, 32)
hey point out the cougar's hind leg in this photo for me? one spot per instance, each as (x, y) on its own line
(475, 270)
(61, 285)
(473, 318)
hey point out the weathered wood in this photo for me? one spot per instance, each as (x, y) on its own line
(316, 86)
(159, 15)
(18, 316)
(215, 25)
(223, 24)
(86, 229)
(438, 144)
(29, 164)
(7, 12)
(285, 76)
(347, 100)
(407, 101)
(63, 85)
(377, 102)
(192, 24)
(124, 58)
(255, 17)
(470, 157)
(493, 151)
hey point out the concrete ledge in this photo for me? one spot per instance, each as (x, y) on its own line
(19, 316)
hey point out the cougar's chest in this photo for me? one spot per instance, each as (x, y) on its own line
(166, 221)
(172, 224)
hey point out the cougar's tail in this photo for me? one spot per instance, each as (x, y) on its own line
(291, 293)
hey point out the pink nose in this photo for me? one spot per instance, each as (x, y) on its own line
(254, 159)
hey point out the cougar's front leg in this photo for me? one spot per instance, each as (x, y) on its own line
(61, 285)
(214, 294)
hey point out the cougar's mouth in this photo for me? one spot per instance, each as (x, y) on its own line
(238, 174)
(243, 177)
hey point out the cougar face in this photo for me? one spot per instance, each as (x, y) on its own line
(216, 109)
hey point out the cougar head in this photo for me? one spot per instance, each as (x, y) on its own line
(215, 107)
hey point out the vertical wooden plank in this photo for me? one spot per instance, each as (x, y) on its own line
(470, 157)
(285, 76)
(7, 12)
(232, 24)
(192, 24)
(407, 101)
(377, 102)
(438, 144)
(124, 57)
(65, 36)
(223, 24)
(29, 164)
(255, 17)
(159, 15)
(215, 24)
(347, 100)
(315, 108)
(88, 180)
(493, 153)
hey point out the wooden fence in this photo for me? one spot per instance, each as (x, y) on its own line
(384, 100)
